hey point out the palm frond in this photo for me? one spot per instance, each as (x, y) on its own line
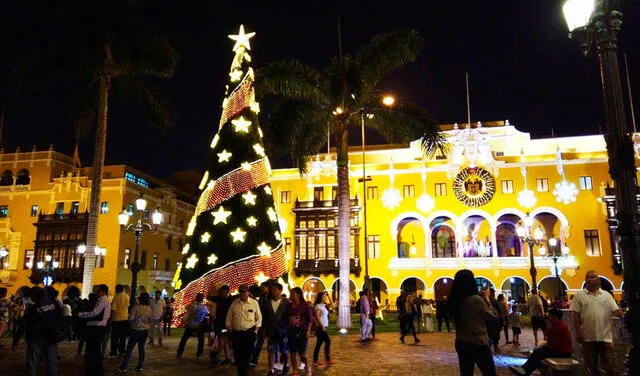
(144, 92)
(290, 79)
(300, 128)
(146, 54)
(386, 53)
(406, 122)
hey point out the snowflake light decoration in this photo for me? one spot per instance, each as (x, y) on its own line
(425, 203)
(565, 192)
(391, 198)
(527, 199)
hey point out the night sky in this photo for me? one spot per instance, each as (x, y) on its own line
(521, 64)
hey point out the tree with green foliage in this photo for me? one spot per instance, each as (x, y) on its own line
(105, 50)
(338, 97)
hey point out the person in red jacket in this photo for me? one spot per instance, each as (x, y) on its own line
(558, 344)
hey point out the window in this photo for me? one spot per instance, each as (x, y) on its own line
(136, 179)
(166, 264)
(60, 208)
(34, 210)
(542, 185)
(408, 191)
(592, 242)
(104, 207)
(334, 192)
(322, 246)
(372, 193)
(373, 246)
(507, 186)
(311, 247)
(170, 242)
(318, 194)
(143, 260)
(352, 246)
(285, 197)
(146, 214)
(441, 189)
(331, 247)
(75, 207)
(287, 245)
(585, 183)
(180, 243)
(127, 258)
(4, 211)
(29, 256)
(302, 247)
(154, 265)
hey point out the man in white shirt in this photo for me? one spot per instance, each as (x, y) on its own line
(536, 310)
(158, 306)
(243, 320)
(592, 310)
(96, 332)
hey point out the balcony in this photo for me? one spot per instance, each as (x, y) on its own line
(160, 275)
(478, 263)
(324, 204)
(317, 267)
(65, 275)
(63, 217)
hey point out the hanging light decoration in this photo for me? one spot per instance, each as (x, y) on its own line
(391, 197)
(526, 198)
(564, 192)
(425, 202)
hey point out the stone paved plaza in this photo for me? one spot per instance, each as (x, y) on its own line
(434, 355)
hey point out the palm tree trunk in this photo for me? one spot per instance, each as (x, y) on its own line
(96, 186)
(344, 224)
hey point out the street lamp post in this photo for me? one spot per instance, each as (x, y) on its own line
(138, 228)
(556, 251)
(532, 237)
(597, 23)
(48, 266)
(364, 179)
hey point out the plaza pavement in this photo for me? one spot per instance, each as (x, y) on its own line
(433, 356)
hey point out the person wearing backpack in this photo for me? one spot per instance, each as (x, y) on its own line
(43, 321)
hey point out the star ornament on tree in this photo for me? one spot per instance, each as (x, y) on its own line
(242, 39)
(220, 216)
(224, 156)
(235, 75)
(249, 198)
(259, 150)
(212, 259)
(272, 215)
(252, 221)
(204, 238)
(260, 278)
(241, 124)
(264, 249)
(192, 261)
(238, 235)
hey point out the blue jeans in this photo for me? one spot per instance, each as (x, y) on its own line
(136, 337)
(38, 351)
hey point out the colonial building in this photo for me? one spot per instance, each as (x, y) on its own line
(426, 218)
(44, 203)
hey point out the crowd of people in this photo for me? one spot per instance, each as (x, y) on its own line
(237, 326)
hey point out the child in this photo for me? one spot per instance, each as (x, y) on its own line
(514, 321)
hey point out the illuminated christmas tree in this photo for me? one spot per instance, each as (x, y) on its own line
(234, 235)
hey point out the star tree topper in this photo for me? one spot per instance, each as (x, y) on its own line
(242, 39)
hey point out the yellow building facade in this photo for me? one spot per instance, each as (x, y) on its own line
(428, 218)
(44, 200)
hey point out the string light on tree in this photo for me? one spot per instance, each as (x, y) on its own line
(246, 166)
(214, 142)
(272, 215)
(255, 107)
(192, 261)
(261, 277)
(259, 149)
(185, 249)
(267, 190)
(220, 216)
(249, 198)
(264, 249)
(224, 156)
(241, 124)
(277, 235)
(238, 235)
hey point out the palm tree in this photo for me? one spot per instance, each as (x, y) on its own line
(309, 101)
(110, 52)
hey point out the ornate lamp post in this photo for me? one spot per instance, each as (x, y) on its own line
(596, 22)
(532, 237)
(138, 228)
(556, 251)
(48, 266)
